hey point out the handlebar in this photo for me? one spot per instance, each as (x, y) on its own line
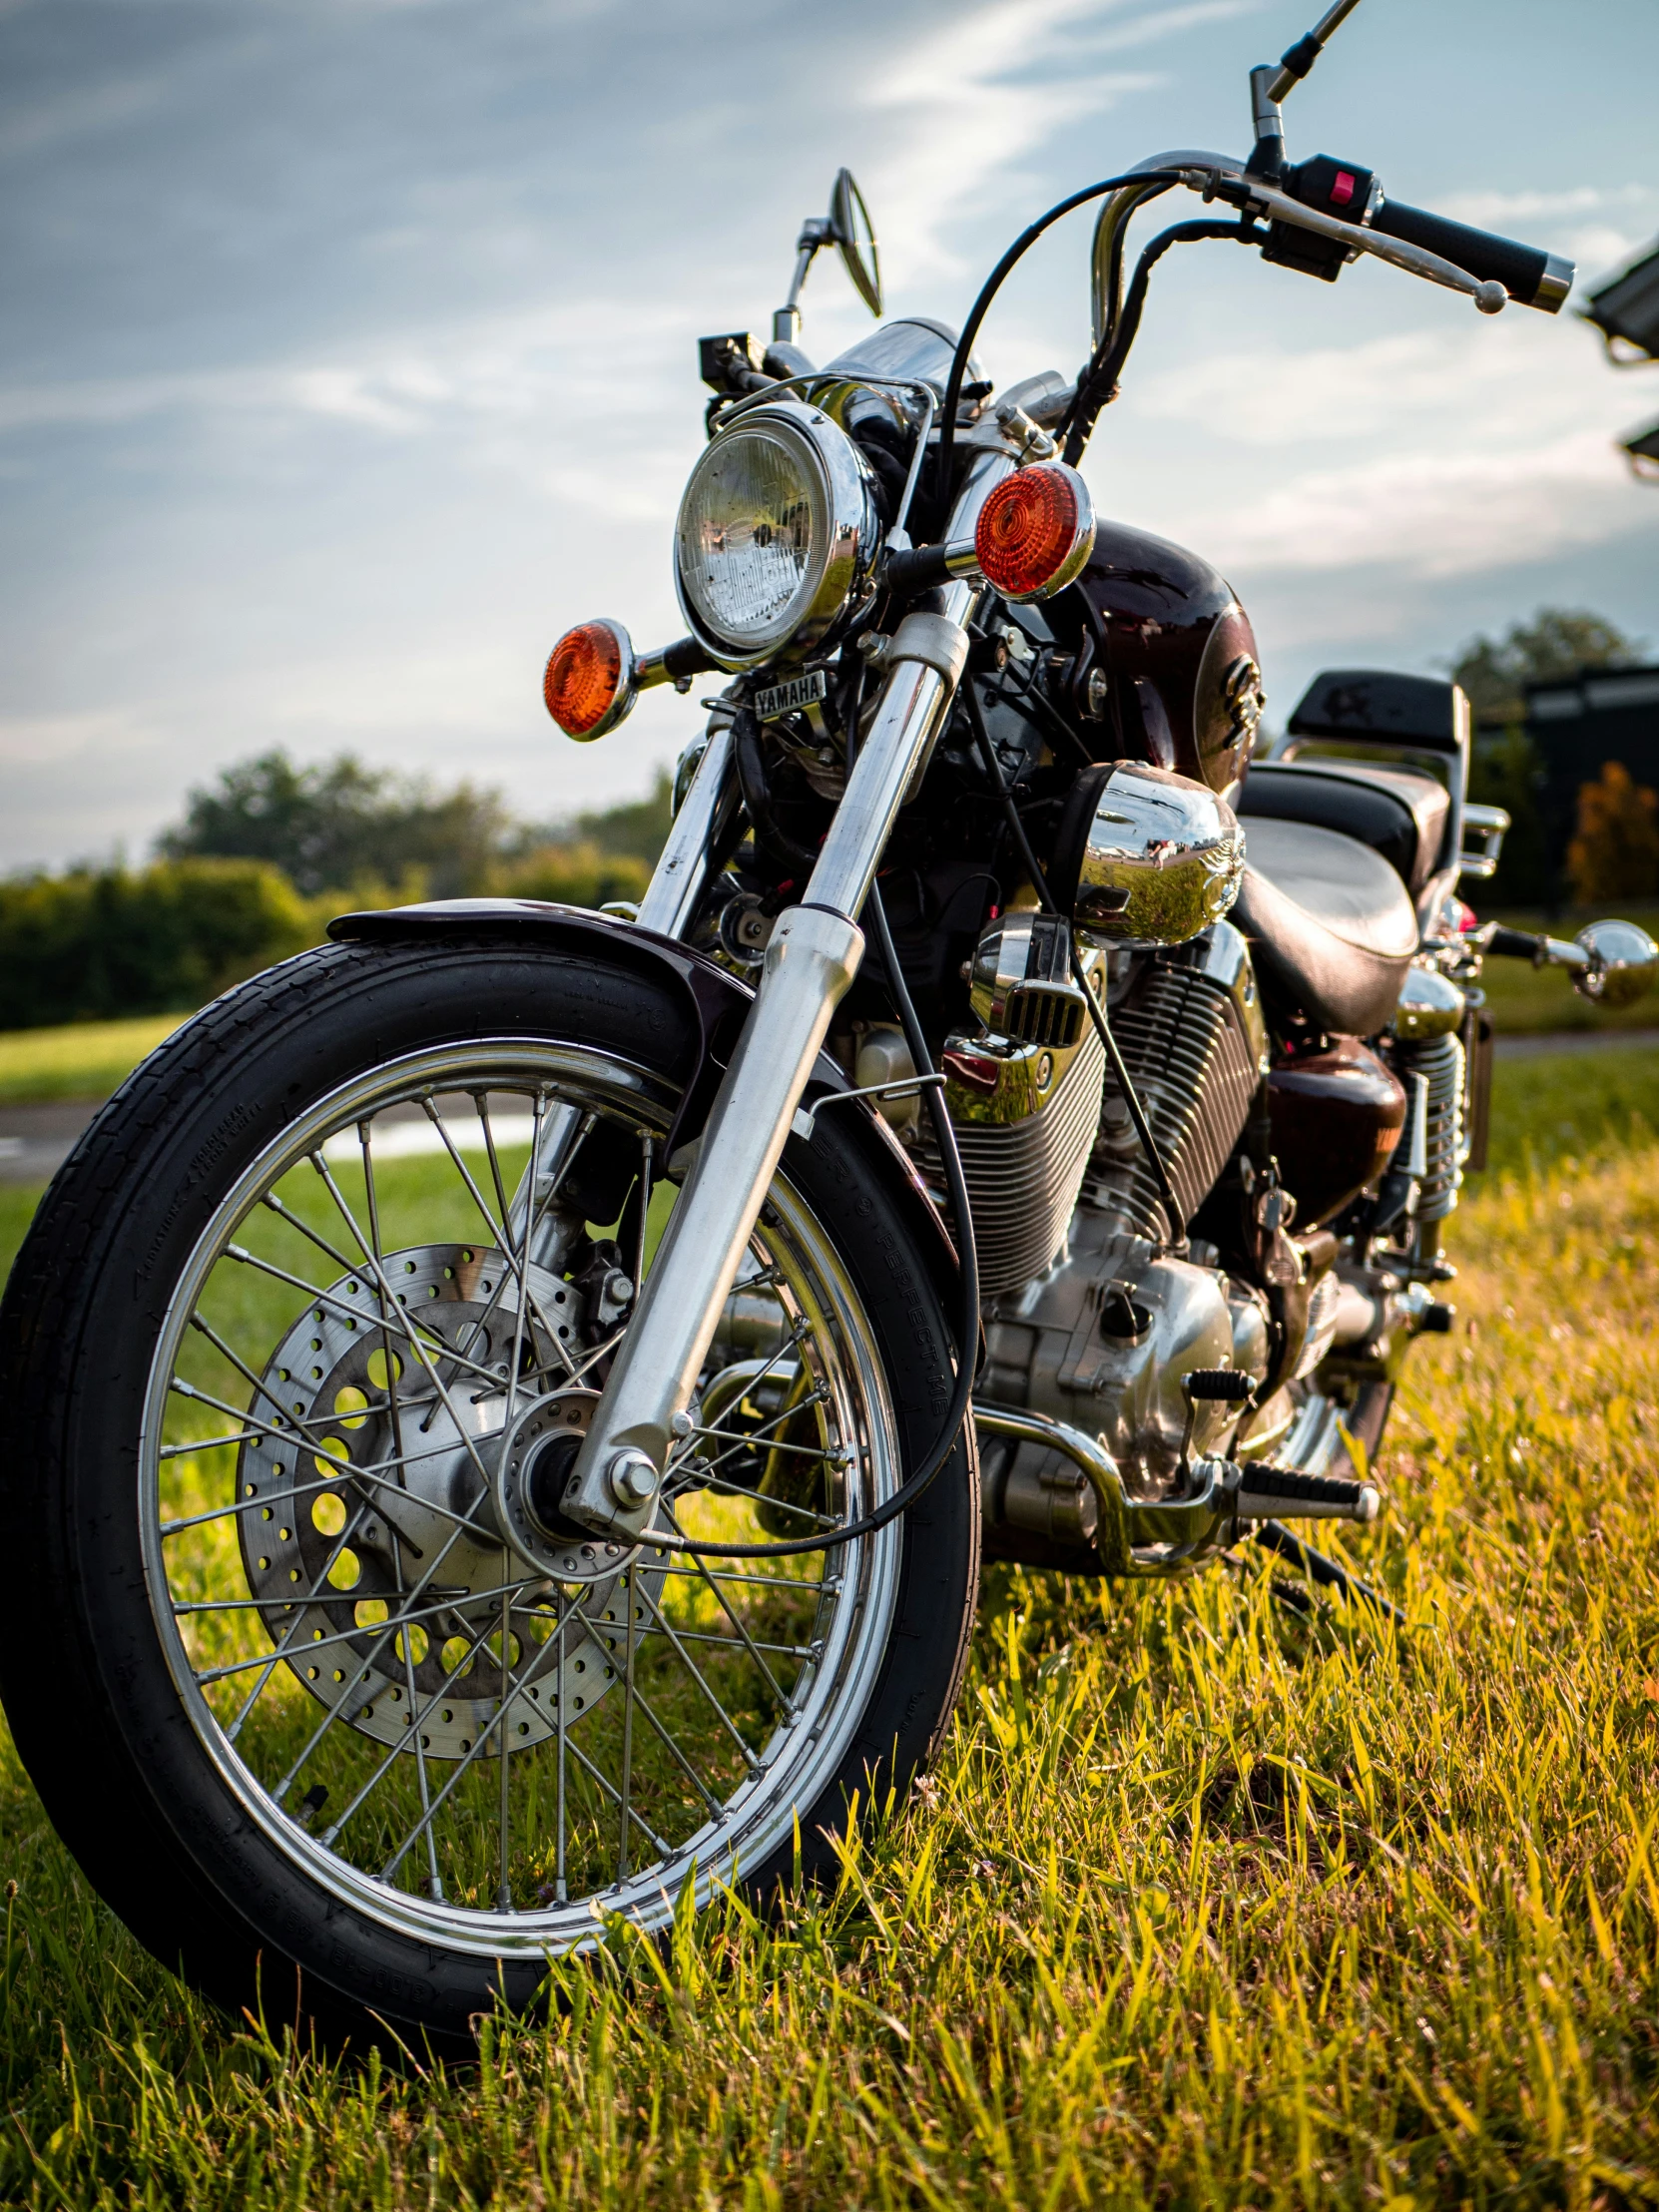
(1527, 273)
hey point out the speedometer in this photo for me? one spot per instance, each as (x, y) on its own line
(778, 528)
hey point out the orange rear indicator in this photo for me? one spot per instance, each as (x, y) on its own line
(590, 681)
(1035, 531)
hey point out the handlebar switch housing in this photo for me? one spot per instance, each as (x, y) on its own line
(1340, 188)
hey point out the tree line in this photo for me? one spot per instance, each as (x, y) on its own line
(264, 858)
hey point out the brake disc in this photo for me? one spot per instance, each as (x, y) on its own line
(384, 1575)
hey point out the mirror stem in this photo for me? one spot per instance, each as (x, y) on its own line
(1268, 159)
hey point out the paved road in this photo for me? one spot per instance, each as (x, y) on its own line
(36, 1140)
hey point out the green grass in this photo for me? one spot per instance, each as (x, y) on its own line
(1205, 1904)
(84, 1059)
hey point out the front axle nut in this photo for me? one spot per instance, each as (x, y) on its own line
(632, 1477)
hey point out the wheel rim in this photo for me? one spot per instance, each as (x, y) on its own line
(360, 1394)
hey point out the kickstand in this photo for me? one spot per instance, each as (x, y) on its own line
(1317, 1569)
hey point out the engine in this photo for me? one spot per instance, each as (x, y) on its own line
(1088, 1318)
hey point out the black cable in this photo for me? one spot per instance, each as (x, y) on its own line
(1041, 713)
(961, 1396)
(994, 284)
(1098, 383)
(1114, 279)
(1097, 1013)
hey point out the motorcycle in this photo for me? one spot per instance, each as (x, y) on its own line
(504, 1412)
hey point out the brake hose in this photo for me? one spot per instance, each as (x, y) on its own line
(961, 1395)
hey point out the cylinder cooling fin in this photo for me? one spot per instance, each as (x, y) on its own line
(1022, 1173)
(1195, 1063)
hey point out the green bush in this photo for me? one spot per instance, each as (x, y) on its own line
(93, 945)
(572, 875)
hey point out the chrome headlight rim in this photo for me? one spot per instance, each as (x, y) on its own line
(851, 535)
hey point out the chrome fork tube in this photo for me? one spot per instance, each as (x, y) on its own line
(813, 956)
(681, 872)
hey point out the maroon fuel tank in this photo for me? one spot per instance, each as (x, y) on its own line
(1168, 658)
(1337, 1118)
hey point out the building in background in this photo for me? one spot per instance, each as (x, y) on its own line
(1576, 726)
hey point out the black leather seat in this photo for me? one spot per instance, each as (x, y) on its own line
(1398, 811)
(1331, 927)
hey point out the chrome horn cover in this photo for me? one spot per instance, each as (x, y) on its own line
(1159, 858)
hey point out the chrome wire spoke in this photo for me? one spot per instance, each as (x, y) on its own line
(697, 1471)
(520, 1263)
(281, 1651)
(406, 1333)
(704, 1573)
(388, 1357)
(373, 1471)
(738, 1641)
(418, 1617)
(759, 1435)
(207, 1444)
(376, 1471)
(333, 1713)
(423, 1350)
(504, 1894)
(750, 1759)
(260, 1388)
(463, 1765)
(630, 1583)
(658, 1844)
(743, 1636)
(402, 1745)
(677, 1756)
(515, 1261)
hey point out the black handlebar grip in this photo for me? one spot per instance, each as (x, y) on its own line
(1527, 272)
(1515, 944)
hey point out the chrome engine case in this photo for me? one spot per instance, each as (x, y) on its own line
(1103, 1339)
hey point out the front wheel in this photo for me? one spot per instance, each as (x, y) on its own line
(312, 1674)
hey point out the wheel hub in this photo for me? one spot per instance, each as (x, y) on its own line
(408, 1562)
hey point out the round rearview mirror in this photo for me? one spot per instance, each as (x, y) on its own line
(1623, 962)
(855, 235)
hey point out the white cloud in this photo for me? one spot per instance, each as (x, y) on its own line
(1435, 516)
(1489, 210)
(984, 92)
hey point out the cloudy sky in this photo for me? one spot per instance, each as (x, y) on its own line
(348, 352)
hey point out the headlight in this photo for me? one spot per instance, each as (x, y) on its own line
(777, 530)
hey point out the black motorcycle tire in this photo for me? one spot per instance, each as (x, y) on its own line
(94, 1712)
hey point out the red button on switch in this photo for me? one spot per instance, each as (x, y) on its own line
(1341, 192)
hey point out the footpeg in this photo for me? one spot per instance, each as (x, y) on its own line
(1280, 1493)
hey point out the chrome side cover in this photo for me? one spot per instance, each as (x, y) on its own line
(1161, 858)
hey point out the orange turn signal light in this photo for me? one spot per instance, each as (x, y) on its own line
(591, 679)
(1035, 531)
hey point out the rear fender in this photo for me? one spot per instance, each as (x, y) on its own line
(719, 1006)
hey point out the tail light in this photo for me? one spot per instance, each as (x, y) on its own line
(1035, 531)
(591, 679)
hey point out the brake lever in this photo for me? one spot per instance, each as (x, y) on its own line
(1253, 197)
